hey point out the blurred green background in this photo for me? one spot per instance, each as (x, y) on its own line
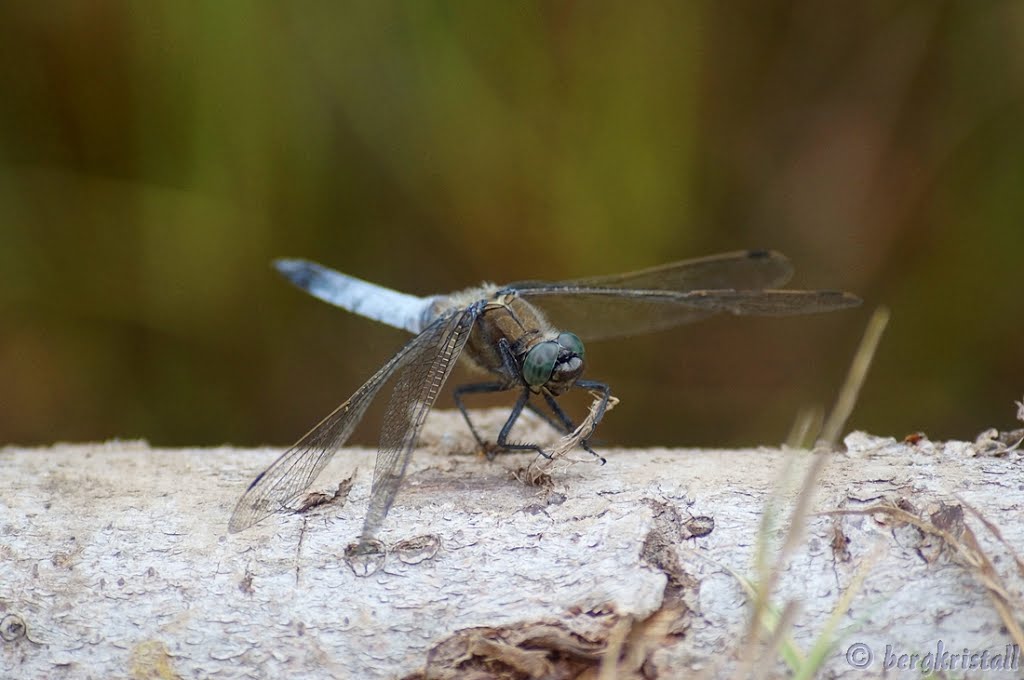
(154, 157)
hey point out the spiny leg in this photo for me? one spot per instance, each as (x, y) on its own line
(506, 429)
(563, 425)
(477, 388)
(514, 376)
(606, 394)
(566, 426)
(562, 428)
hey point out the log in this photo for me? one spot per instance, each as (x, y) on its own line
(115, 561)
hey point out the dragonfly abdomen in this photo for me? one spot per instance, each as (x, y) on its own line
(400, 310)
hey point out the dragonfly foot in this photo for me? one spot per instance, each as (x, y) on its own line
(491, 450)
(585, 444)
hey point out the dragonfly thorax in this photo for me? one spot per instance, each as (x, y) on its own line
(554, 364)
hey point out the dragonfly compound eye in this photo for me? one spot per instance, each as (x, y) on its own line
(540, 362)
(571, 342)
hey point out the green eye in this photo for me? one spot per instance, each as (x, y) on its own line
(539, 363)
(571, 342)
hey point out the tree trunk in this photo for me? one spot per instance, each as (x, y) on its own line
(115, 561)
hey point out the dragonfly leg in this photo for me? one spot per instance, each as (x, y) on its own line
(506, 429)
(606, 394)
(508, 362)
(567, 425)
(562, 427)
(477, 388)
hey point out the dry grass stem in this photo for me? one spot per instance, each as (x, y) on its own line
(855, 377)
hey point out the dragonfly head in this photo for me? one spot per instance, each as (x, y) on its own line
(554, 364)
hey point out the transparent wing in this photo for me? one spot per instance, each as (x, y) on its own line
(600, 313)
(289, 475)
(739, 270)
(416, 389)
(653, 299)
(605, 316)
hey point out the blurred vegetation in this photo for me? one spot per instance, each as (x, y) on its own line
(155, 156)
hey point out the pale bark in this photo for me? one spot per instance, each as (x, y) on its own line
(115, 561)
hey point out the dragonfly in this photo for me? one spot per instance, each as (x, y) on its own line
(508, 334)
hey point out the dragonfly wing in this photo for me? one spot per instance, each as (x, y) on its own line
(289, 475)
(602, 313)
(416, 389)
(769, 302)
(739, 270)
